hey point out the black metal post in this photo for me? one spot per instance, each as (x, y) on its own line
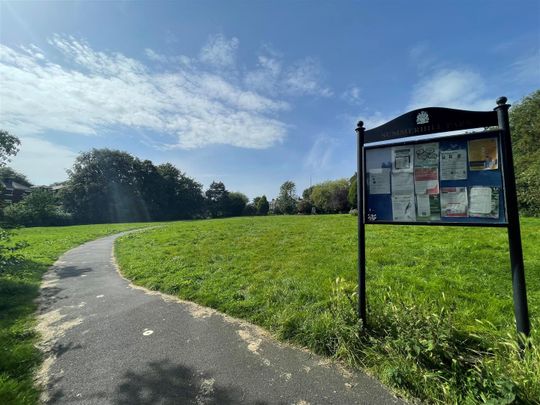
(360, 183)
(521, 310)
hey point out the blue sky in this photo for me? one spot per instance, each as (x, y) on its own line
(251, 93)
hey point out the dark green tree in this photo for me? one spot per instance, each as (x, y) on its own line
(525, 127)
(217, 200)
(179, 196)
(286, 201)
(105, 186)
(237, 204)
(262, 206)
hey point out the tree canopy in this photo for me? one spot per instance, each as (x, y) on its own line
(525, 127)
(113, 186)
(9, 146)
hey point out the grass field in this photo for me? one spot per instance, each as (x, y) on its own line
(441, 324)
(19, 287)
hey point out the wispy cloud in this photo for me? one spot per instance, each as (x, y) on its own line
(320, 154)
(456, 88)
(527, 69)
(353, 95)
(220, 51)
(304, 77)
(89, 91)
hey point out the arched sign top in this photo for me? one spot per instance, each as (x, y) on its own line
(428, 121)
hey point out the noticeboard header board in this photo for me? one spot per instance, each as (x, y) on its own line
(452, 180)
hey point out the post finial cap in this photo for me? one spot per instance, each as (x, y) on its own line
(360, 126)
(502, 100)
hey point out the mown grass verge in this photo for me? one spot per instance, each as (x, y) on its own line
(19, 287)
(441, 324)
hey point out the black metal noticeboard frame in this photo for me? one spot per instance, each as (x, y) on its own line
(377, 143)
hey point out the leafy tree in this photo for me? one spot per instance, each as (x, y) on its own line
(261, 203)
(331, 196)
(104, 186)
(39, 208)
(9, 146)
(217, 200)
(178, 195)
(304, 206)
(525, 127)
(9, 173)
(250, 209)
(286, 201)
(237, 204)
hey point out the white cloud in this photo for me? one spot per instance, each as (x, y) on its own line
(101, 90)
(35, 157)
(220, 51)
(454, 88)
(266, 76)
(304, 77)
(353, 95)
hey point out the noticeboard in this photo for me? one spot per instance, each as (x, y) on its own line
(450, 180)
(406, 178)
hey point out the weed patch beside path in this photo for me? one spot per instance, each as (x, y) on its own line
(441, 323)
(19, 288)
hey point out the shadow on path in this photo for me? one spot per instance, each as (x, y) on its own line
(166, 383)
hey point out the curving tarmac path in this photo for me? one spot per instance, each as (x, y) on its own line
(109, 342)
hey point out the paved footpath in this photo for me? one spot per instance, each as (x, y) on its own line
(109, 342)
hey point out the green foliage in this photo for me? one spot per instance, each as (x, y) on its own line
(217, 200)
(262, 205)
(427, 290)
(304, 206)
(21, 270)
(525, 127)
(237, 204)
(113, 186)
(9, 146)
(176, 195)
(286, 201)
(39, 208)
(9, 251)
(331, 196)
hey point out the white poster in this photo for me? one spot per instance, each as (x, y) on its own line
(379, 181)
(423, 206)
(402, 183)
(402, 158)
(403, 208)
(426, 154)
(454, 202)
(454, 164)
(484, 202)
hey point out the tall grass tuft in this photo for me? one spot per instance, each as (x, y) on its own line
(422, 354)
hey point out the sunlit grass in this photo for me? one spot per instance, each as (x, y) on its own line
(440, 298)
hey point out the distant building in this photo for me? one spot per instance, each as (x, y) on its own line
(12, 192)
